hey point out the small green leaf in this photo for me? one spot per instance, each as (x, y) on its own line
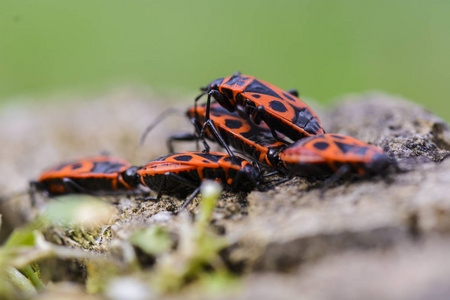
(20, 237)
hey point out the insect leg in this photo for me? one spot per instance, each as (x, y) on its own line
(342, 171)
(189, 199)
(197, 129)
(202, 137)
(207, 121)
(260, 114)
(242, 113)
(275, 136)
(180, 179)
(221, 99)
(183, 136)
(160, 189)
(171, 176)
(270, 174)
(274, 182)
(220, 140)
(158, 120)
(73, 187)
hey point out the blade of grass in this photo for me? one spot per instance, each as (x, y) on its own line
(20, 282)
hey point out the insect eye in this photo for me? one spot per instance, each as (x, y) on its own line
(213, 86)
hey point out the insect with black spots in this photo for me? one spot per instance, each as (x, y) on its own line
(182, 173)
(90, 175)
(256, 100)
(334, 154)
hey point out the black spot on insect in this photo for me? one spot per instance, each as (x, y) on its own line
(210, 157)
(258, 87)
(183, 158)
(321, 145)
(361, 150)
(256, 96)
(240, 83)
(205, 161)
(338, 137)
(76, 166)
(278, 106)
(228, 93)
(344, 147)
(215, 114)
(227, 158)
(233, 124)
(289, 97)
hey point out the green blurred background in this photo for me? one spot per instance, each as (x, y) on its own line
(323, 48)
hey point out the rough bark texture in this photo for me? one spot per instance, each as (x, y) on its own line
(380, 238)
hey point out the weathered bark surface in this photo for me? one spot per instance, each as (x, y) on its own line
(385, 237)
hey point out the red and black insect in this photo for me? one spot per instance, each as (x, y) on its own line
(182, 173)
(90, 175)
(255, 141)
(256, 100)
(334, 154)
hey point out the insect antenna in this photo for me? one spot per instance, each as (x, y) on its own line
(161, 117)
(204, 89)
